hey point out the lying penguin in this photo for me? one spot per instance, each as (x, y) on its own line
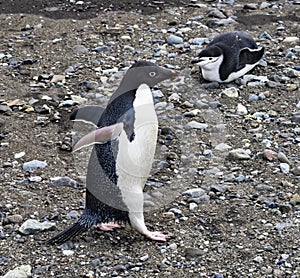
(229, 56)
(121, 159)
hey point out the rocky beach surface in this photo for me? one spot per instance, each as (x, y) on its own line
(225, 181)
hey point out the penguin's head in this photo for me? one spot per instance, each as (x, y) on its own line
(144, 72)
(209, 58)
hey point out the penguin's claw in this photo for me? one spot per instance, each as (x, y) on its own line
(110, 226)
(158, 236)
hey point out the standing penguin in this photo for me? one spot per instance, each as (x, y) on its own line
(121, 159)
(229, 56)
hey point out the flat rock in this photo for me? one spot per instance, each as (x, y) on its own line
(22, 271)
(172, 39)
(238, 154)
(194, 192)
(64, 181)
(196, 125)
(32, 226)
(33, 165)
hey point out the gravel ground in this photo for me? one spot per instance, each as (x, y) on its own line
(225, 181)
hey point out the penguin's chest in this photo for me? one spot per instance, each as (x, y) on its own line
(134, 159)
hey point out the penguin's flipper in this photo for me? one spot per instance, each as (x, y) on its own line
(99, 136)
(249, 56)
(89, 113)
(128, 121)
(68, 234)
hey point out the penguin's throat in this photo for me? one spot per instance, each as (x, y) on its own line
(211, 70)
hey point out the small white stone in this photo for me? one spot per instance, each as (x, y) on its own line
(19, 155)
(193, 206)
(174, 97)
(231, 92)
(68, 252)
(144, 258)
(173, 246)
(258, 259)
(284, 168)
(125, 38)
(241, 109)
(291, 39)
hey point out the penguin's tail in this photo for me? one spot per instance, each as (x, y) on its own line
(69, 233)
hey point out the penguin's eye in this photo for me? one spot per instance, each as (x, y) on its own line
(152, 73)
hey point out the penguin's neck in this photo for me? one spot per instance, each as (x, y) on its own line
(126, 85)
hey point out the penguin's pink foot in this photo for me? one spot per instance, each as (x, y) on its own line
(110, 226)
(158, 236)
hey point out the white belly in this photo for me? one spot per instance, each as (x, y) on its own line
(134, 159)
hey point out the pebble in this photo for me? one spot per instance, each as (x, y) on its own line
(218, 188)
(296, 117)
(192, 252)
(282, 158)
(291, 39)
(172, 246)
(214, 104)
(19, 155)
(201, 105)
(231, 92)
(295, 199)
(32, 226)
(250, 6)
(58, 78)
(144, 258)
(238, 154)
(253, 97)
(258, 259)
(264, 187)
(35, 179)
(72, 214)
(79, 49)
(102, 48)
(176, 211)
(64, 181)
(33, 165)
(194, 192)
(23, 271)
(173, 39)
(210, 85)
(68, 252)
(95, 262)
(16, 218)
(241, 109)
(269, 154)
(196, 125)
(5, 109)
(222, 147)
(284, 168)
(296, 171)
(199, 41)
(193, 206)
